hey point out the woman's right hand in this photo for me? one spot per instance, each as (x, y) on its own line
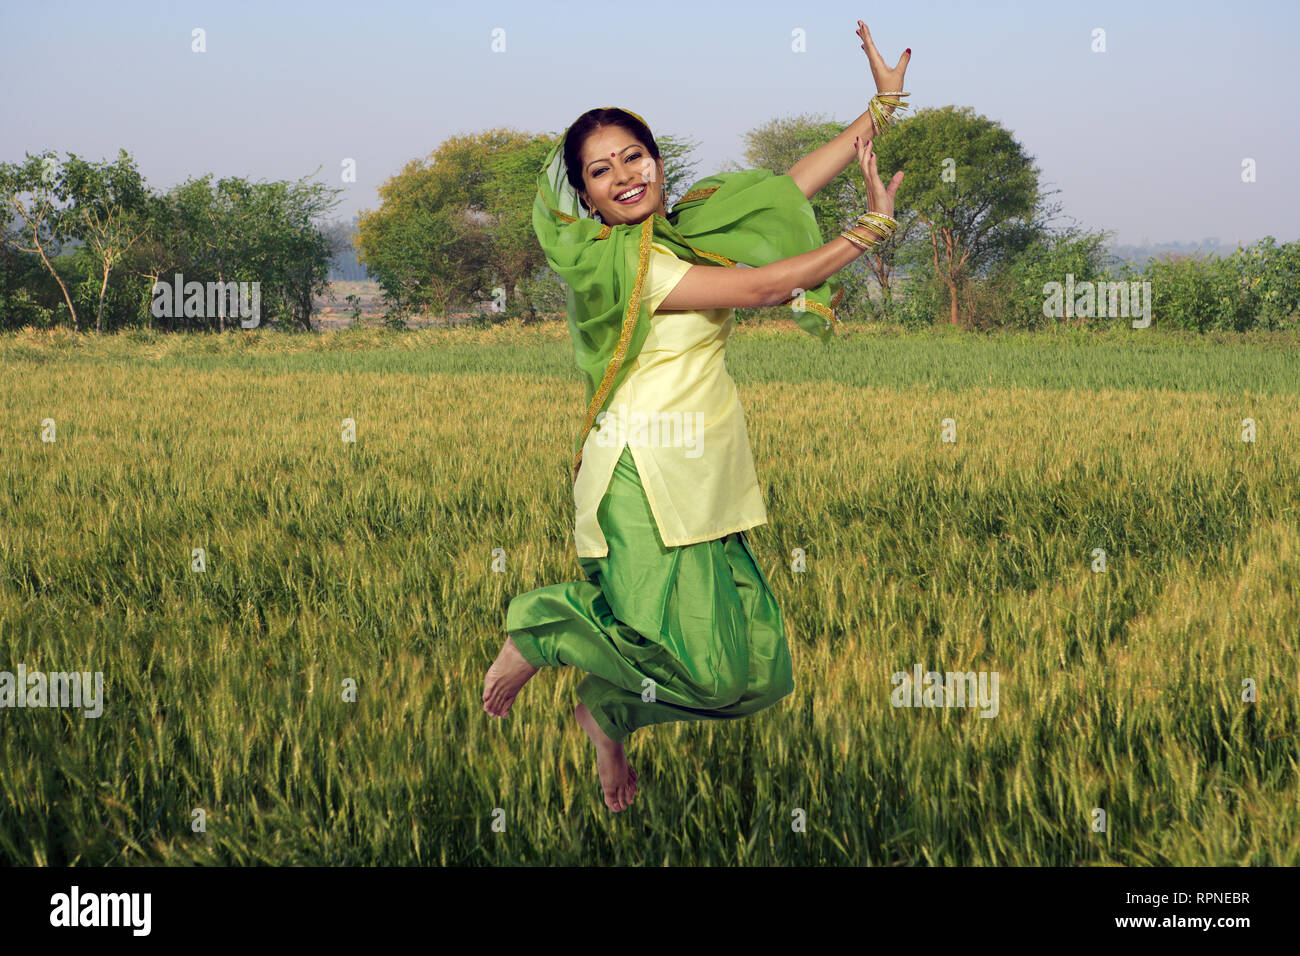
(879, 197)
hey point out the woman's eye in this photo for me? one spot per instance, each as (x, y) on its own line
(603, 168)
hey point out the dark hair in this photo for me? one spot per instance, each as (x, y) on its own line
(588, 123)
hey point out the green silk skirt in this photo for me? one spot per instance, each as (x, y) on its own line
(664, 633)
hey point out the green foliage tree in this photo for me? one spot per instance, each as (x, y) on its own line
(100, 219)
(1269, 276)
(216, 222)
(33, 190)
(1182, 291)
(973, 189)
(286, 249)
(507, 236)
(422, 243)
(108, 212)
(234, 230)
(1048, 257)
(27, 291)
(159, 252)
(1257, 286)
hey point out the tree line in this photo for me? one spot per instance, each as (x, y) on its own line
(981, 242)
(90, 245)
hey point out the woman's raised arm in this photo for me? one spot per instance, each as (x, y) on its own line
(722, 287)
(826, 162)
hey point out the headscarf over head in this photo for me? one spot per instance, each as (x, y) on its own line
(753, 217)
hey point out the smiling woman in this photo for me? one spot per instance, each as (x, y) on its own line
(623, 183)
(675, 620)
(621, 178)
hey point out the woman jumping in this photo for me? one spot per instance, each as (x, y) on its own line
(675, 620)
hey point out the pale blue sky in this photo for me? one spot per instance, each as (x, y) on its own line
(1146, 139)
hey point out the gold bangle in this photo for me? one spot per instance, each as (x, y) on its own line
(878, 218)
(878, 114)
(856, 240)
(880, 232)
(865, 242)
(875, 236)
(878, 223)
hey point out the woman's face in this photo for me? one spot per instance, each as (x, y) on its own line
(615, 164)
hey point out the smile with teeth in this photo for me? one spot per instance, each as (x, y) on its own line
(631, 195)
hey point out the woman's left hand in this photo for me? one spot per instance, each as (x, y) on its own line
(887, 80)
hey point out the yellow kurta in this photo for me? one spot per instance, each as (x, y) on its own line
(679, 413)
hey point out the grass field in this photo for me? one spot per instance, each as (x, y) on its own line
(329, 561)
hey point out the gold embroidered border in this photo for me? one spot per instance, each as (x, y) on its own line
(825, 313)
(604, 231)
(716, 257)
(624, 340)
(695, 194)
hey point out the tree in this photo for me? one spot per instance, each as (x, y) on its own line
(507, 236)
(239, 231)
(108, 212)
(218, 221)
(1048, 258)
(970, 184)
(286, 248)
(31, 189)
(416, 243)
(158, 251)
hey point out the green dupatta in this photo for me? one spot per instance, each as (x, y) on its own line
(752, 217)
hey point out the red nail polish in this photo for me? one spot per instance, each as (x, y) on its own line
(908, 50)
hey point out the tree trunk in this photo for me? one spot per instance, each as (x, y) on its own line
(103, 286)
(305, 303)
(59, 279)
(148, 301)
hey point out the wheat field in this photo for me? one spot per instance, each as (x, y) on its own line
(312, 696)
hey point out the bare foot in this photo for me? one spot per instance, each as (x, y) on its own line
(505, 678)
(617, 778)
